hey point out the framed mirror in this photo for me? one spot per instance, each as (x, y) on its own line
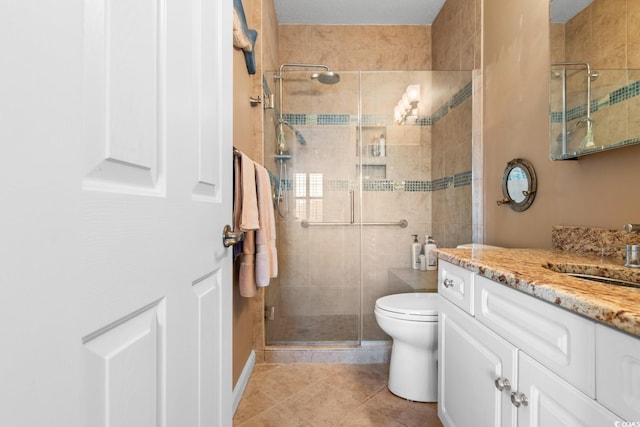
(519, 185)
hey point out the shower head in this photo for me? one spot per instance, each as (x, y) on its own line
(326, 77)
(299, 137)
(296, 132)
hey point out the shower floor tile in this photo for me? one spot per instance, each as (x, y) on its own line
(322, 329)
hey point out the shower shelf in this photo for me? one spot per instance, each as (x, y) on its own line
(403, 223)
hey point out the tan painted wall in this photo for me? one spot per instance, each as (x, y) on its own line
(358, 47)
(247, 136)
(593, 191)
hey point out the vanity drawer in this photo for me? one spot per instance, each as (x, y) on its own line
(456, 285)
(618, 372)
(558, 339)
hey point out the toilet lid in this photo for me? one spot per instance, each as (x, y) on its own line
(416, 304)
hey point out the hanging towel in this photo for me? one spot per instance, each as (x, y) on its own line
(247, 274)
(245, 218)
(266, 254)
(249, 218)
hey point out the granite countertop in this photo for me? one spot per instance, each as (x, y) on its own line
(527, 270)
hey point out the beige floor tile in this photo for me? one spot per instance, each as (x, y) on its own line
(360, 381)
(286, 380)
(322, 405)
(366, 416)
(319, 395)
(410, 414)
(253, 402)
(277, 416)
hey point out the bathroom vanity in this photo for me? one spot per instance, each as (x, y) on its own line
(521, 343)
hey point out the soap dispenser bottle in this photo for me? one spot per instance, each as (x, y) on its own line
(382, 146)
(415, 253)
(432, 259)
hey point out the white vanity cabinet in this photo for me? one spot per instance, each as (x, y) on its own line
(618, 372)
(517, 361)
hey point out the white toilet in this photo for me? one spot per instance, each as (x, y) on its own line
(412, 321)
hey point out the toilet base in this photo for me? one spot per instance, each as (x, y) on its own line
(413, 373)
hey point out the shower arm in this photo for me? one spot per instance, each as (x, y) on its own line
(280, 78)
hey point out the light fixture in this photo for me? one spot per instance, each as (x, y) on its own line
(406, 110)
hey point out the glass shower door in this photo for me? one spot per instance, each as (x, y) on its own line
(317, 295)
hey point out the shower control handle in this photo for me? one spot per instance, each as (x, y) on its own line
(447, 283)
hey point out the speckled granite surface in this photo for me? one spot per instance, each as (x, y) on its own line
(593, 241)
(528, 271)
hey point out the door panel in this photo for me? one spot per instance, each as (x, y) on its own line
(117, 289)
(124, 95)
(209, 299)
(124, 364)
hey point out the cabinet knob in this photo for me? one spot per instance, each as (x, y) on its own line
(518, 399)
(502, 384)
(447, 283)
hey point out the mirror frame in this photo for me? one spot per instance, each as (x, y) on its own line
(532, 185)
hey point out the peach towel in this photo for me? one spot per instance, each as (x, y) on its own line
(245, 218)
(266, 254)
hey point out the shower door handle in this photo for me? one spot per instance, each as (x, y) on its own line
(351, 195)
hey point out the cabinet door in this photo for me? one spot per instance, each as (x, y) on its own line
(618, 372)
(552, 402)
(470, 359)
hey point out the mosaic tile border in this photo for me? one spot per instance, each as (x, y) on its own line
(314, 119)
(614, 97)
(387, 185)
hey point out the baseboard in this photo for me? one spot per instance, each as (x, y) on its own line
(238, 390)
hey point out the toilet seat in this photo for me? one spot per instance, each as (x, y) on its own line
(416, 306)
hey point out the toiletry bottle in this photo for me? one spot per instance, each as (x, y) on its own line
(375, 147)
(423, 262)
(432, 260)
(382, 146)
(415, 253)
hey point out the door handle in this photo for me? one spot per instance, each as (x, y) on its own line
(230, 237)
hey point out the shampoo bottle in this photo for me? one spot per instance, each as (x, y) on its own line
(432, 260)
(415, 253)
(382, 146)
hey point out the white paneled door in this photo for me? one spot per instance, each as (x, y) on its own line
(115, 185)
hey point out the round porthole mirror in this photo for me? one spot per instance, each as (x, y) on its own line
(518, 185)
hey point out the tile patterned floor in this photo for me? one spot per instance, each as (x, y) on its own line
(327, 395)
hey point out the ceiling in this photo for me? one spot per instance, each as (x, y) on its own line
(376, 12)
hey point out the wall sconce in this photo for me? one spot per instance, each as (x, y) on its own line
(406, 110)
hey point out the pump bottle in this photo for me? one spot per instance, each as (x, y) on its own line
(415, 253)
(432, 259)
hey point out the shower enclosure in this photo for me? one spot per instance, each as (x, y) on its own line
(352, 162)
